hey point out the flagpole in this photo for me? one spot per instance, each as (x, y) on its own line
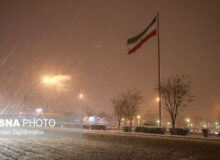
(159, 90)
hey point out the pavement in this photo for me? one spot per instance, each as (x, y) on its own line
(108, 145)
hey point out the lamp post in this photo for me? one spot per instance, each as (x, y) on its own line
(123, 122)
(139, 119)
(216, 125)
(49, 81)
(159, 102)
(158, 123)
(187, 120)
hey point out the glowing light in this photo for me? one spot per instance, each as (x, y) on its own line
(138, 117)
(49, 80)
(168, 123)
(85, 118)
(81, 96)
(46, 79)
(157, 99)
(38, 110)
(52, 80)
(60, 82)
(187, 120)
(158, 121)
(122, 119)
(91, 119)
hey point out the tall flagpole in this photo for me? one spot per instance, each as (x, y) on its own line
(158, 42)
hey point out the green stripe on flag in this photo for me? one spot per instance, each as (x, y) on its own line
(136, 38)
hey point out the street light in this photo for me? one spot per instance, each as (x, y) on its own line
(188, 120)
(157, 99)
(216, 125)
(46, 79)
(158, 123)
(81, 96)
(49, 81)
(123, 122)
(52, 80)
(139, 119)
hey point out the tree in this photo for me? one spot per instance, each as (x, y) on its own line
(127, 105)
(175, 93)
(119, 109)
(132, 99)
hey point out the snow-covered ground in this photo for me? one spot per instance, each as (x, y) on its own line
(105, 146)
(68, 149)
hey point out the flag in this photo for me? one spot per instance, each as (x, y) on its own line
(136, 42)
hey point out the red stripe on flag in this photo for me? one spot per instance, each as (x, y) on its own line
(151, 34)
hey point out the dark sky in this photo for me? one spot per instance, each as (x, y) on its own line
(86, 40)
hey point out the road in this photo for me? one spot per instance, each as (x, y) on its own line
(105, 146)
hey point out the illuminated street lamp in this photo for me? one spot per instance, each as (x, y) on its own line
(188, 120)
(52, 80)
(81, 96)
(158, 123)
(49, 81)
(122, 121)
(216, 125)
(157, 99)
(139, 119)
(46, 79)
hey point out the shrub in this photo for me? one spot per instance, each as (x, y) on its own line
(139, 129)
(179, 131)
(98, 127)
(127, 129)
(150, 130)
(205, 132)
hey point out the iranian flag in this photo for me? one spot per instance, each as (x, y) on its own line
(136, 42)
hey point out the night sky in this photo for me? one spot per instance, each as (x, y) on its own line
(85, 40)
